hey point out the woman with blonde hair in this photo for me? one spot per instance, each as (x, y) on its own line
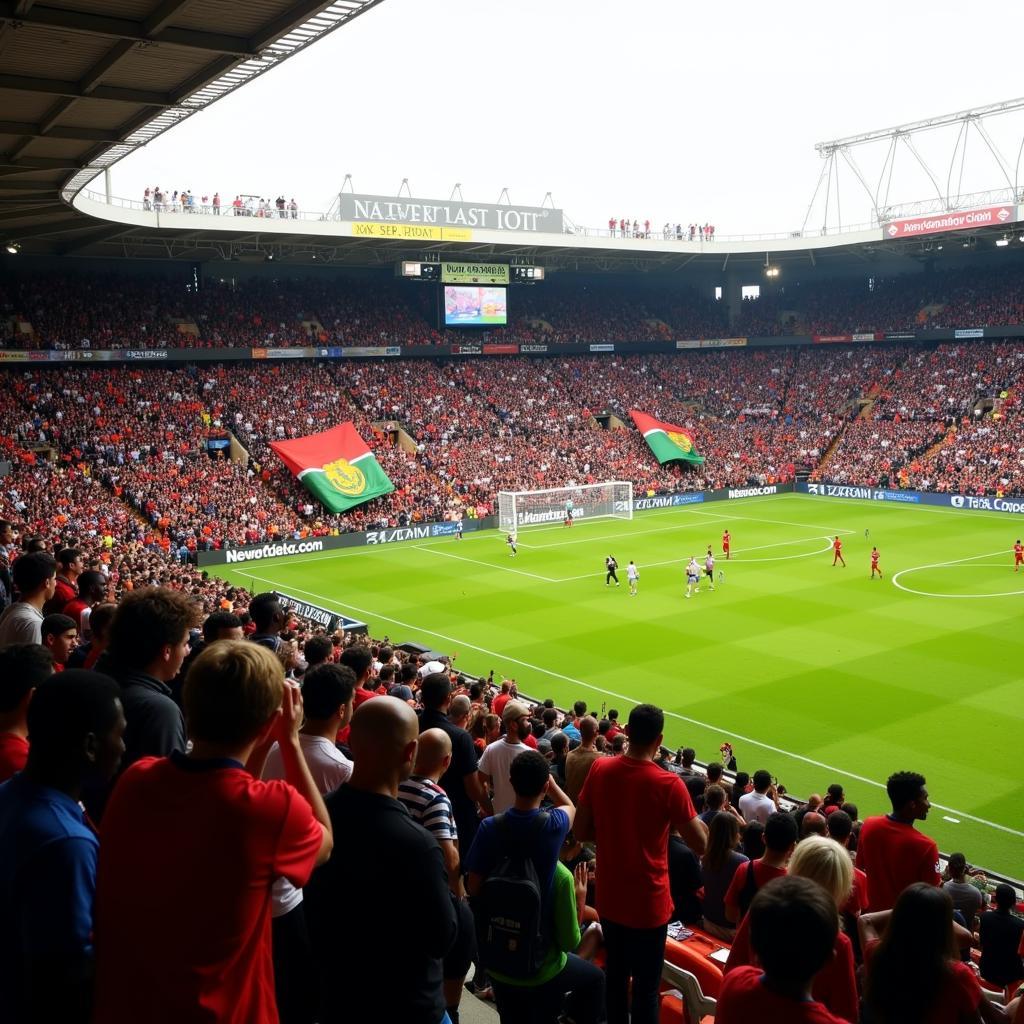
(828, 864)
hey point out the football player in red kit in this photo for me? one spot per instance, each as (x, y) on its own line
(837, 548)
(726, 541)
(874, 564)
(1018, 556)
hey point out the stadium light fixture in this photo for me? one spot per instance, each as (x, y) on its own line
(771, 271)
(13, 247)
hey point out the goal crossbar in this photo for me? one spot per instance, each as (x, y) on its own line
(612, 499)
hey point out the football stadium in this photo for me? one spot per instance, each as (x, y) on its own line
(496, 610)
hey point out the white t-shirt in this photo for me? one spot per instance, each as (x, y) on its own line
(632, 572)
(756, 807)
(495, 761)
(330, 769)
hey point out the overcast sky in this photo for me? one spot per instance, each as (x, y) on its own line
(655, 108)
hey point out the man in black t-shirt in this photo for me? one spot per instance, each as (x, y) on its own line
(461, 781)
(611, 565)
(386, 883)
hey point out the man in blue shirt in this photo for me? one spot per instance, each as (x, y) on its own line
(48, 849)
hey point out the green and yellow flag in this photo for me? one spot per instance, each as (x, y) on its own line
(667, 441)
(336, 467)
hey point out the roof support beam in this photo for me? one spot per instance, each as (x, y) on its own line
(73, 90)
(124, 28)
(36, 131)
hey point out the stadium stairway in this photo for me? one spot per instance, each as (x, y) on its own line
(929, 452)
(829, 452)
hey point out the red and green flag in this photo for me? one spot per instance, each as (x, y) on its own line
(667, 441)
(335, 466)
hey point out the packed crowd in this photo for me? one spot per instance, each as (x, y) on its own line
(212, 734)
(102, 311)
(451, 436)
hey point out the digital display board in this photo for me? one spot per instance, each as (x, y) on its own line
(475, 306)
(474, 273)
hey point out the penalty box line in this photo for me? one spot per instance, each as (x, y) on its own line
(624, 697)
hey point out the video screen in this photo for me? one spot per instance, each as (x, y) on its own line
(475, 306)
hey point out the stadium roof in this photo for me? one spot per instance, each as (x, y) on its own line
(85, 82)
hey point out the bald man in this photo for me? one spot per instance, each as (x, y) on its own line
(387, 882)
(429, 805)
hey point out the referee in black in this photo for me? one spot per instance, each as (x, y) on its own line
(611, 565)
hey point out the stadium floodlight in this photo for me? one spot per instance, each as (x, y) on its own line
(771, 271)
(13, 247)
(610, 500)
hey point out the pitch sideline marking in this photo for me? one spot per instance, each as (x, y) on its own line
(490, 565)
(776, 522)
(949, 565)
(624, 697)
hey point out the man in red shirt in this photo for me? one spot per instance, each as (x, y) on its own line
(499, 702)
(780, 838)
(890, 851)
(837, 548)
(793, 929)
(70, 565)
(22, 668)
(1018, 556)
(192, 845)
(630, 805)
(874, 564)
(726, 541)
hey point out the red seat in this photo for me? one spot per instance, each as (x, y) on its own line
(692, 956)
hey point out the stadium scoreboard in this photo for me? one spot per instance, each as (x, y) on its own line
(452, 272)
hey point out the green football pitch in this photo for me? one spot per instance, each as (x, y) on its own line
(818, 673)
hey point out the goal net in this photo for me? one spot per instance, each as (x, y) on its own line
(612, 500)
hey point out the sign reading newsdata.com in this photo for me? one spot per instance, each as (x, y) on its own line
(1013, 504)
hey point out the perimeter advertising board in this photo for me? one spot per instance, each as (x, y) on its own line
(441, 214)
(967, 502)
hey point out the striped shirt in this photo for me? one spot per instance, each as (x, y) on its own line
(429, 805)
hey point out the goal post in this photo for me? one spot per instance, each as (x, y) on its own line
(610, 500)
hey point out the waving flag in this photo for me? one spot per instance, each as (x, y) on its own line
(336, 467)
(667, 441)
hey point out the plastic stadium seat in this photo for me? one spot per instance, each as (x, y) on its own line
(692, 957)
(686, 1003)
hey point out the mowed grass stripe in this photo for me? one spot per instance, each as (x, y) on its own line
(794, 655)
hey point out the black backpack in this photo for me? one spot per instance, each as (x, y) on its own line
(748, 890)
(510, 913)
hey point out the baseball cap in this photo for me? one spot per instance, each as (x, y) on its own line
(514, 709)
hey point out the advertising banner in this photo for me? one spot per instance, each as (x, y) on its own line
(289, 548)
(474, 273)
(372, 211)
(467, 350)
(503, 349)
(323, 617)
(831, 339)
(365, 351)
(712, 343)
(970, 332)
(602, 348)
(412, 232)
(533, 348)
(967, 502)
(956, 220)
